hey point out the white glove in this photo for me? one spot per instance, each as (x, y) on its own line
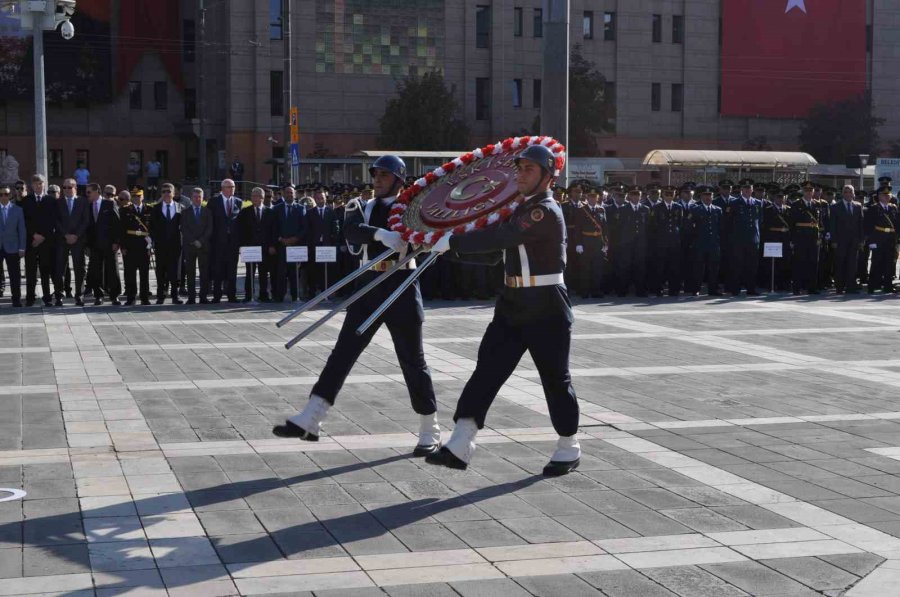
(873, 246)
(442, 245)
(605, 250)
(579, 249)
(827, 236)
(390, 239)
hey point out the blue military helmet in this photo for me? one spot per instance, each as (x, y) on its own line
(541, 156)
(392, 164)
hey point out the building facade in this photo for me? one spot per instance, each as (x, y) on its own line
(661, 60)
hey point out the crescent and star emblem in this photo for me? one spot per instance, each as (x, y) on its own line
(460, 192)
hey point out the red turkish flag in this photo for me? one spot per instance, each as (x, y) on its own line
(781, 57)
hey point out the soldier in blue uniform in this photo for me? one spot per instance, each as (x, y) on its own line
(533, 313)
(743, 216)
(629, 251)
(806, 226)
(881, 222)
(704, 231)
(666, 237)
(367, 226)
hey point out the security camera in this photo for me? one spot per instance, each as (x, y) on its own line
(67, 30)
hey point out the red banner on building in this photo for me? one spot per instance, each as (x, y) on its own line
(781, 57)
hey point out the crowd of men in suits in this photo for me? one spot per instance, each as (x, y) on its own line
(652, 240)
(668, 240)
(65, 237)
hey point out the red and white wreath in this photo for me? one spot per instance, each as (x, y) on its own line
(395, 220)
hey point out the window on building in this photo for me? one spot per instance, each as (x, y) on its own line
(482, 98)
(162, 156)
(55, 163)
(537, 91)
(517, 21)
(482, 26)
(517, 93)
(276, 93)
(190, 103)
(83, 156)
(655, 96)
(609, 26)
(588, 24)
(188, 40)
(134, 95)
(677, 97)
(657, 29)
(538, 22)
(160, 95)
(677, 29)
(275, 28)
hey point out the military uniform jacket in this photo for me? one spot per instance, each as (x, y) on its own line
(704, 228)
(881, 225)
(805, 222)
(135, 227)
(776, 224)
(633, 225)
(361, 221)
(531, 243)
(742, 222)
(666, 225)
(590, 226)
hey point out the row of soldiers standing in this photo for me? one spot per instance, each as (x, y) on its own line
(668, 239)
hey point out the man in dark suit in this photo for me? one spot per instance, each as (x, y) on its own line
(196, 233)
(320, 227)
(103, 244)
(40, 223)
(12, 241)
(165, 228)
(287, 226)
(72, 219)
(630, 251)
(666, 231)
(847, 234)
(253, 222)
(704, 229)
(225, 208)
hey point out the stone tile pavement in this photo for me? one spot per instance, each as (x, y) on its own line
(732, 447)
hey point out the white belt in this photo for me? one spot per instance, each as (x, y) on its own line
(534, 281)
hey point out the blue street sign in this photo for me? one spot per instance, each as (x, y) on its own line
(295, 154)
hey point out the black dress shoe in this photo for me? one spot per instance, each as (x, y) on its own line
(246, 300)
(48, 303)
(29, 302)
(57, 303)
(216, 300)
(115, 302)
(160, 300)
(291, 430)
(558, 469)
(191, 301)
(98, 302)
(232, 299)
(177, 301)
(426, 450)
(129, 302)
(717, 293)
(145, 301)
(204, 301)
(17, 304)
(445, 457)
(79, 302)
(754, 293)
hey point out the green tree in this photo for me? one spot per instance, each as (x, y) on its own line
(424, 116)
(835, 130)
(590, 111)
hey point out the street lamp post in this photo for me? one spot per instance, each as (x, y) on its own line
(863, 162)
(40, 16)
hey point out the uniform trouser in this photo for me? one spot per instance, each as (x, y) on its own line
(806, 265)
(283, 275)
(631, 268)
(667, 269)
(705, 267)
(261, 284)
(225, 274)
(167, 272)
(101, 273)
(743, 267)
(782, 268)
(40, 256)
(63, 250)
(194, 258)
(590, 269)
(137, 264)
(407, 337)
(15, 273)
(846, 259)
(826, 265)
(881, 274)
(501, 349)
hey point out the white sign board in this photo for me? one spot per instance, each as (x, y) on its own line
(251, 254)
(326, 254)
(887, 167)
(586, 169)
(773, 250)
(297, 254)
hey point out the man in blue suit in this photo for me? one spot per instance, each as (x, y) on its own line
(704, 231)
(225, 208)
(12, 241)
(286, 228)
(743, 217)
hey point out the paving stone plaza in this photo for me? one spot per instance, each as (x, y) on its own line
(731, 447)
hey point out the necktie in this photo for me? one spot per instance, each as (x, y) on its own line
(197, 213)
(4, 216)
(322, 212)
(97, 210)
(69, 201)
(258, 214)
(228, 207)
(168, 212)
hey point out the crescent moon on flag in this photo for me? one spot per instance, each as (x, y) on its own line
(792, 4)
